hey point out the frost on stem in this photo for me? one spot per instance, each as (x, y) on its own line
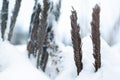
(4, 17)
(13, 18)
(42, 35)
(37, 45)
(33, 43)
(95, 24)
(33, 17)
(76, 41)
(55, 10)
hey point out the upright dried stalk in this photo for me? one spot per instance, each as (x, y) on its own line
(4, 17)
(33, 43)
(76, 40)
(38, 40)
(13, 18)
(44, 55)
(33, 17)
(42, 33)
(95, 24)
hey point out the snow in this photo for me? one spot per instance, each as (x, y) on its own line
(111, 69)
(23, 19)
(110, 12)
(69, 69)
(110, 63)
(15, 65)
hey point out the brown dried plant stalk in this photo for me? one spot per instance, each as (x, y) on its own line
(76, 41)
(95, 24)
(42, 34)
(33, 43)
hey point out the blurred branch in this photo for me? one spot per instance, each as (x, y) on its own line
(4, 17)
(33, 17)
(13, 18)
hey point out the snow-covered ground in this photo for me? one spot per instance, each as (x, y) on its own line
(15, 65)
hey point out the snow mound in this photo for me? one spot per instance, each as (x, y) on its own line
(15, 66)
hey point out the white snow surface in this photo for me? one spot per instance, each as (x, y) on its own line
(16, 66)
(109, 70)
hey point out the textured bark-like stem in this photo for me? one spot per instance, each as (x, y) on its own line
(44, 58)
(42, 32)
(95, 24)
(4, 17)
(33, 17)
(76, 41)
(13, 18)
(37, 44)
(33, 43)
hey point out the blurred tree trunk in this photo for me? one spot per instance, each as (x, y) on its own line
(95, 24)
(76, 40)
(4, 17)
(13, 18)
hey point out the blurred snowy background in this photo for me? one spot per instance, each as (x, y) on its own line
(109, 19)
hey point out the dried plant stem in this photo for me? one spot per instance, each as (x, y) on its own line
(76, 40)
(37, 45)
(42, 34)
(33, 17)
(33, 43)
(96, 36)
